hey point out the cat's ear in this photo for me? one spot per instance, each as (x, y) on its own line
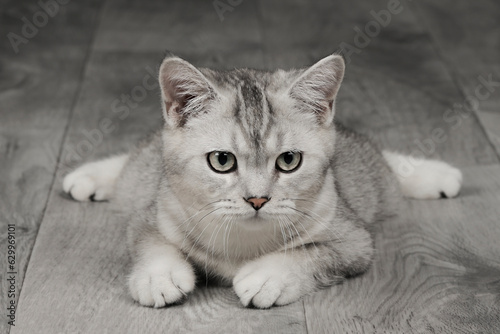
(184, 89)
(315, 90)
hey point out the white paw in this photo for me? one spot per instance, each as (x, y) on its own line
(432, 179)
(267, 282)
(94, 181)
(160, 282)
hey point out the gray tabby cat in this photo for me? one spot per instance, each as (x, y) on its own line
(252, 182)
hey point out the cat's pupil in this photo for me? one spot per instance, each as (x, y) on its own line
(222, 158)
(288, 158)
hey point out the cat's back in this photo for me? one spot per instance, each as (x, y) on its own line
(138, 183)
(363, 179)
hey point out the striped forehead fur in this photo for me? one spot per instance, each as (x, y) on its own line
(252, 106)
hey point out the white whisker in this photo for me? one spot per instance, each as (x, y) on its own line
(302, 240)
(215, 239)
(329, 228)
(195, 225)
(283, 235)
(229, 234)
(199, 236)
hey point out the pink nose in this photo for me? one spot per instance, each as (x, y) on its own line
(257, 202)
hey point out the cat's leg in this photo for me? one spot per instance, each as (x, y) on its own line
(424, 179)
(160, 273)
(95, 180)
(284, 277)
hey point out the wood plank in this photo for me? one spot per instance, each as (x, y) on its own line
(190, 29)
(79, 264)
(38, 86)
(436, 270)
(397, 90)
(468, 38)
(491, 123)
(81, 273)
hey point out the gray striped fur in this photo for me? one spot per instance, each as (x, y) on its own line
(343, 186)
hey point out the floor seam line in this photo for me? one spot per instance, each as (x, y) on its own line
(454, 74)
(62, 145)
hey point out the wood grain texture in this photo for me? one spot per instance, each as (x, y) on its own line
(38, 86)
(436, 270)
(468, 38)
(397, 89)
(190, 29)
(78, 285)
(436, 267)
(79, 264)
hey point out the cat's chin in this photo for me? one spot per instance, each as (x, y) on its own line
(255, 220)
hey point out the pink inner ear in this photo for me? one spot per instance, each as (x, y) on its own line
(186, 91)
(317, 88)
(171, 107)
(177, 93)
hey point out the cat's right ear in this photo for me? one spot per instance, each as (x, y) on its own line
(184, 89)
(316, 88)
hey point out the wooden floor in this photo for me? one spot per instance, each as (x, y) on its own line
(426, 83)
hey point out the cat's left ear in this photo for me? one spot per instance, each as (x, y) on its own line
(315, 90)
(185, 91)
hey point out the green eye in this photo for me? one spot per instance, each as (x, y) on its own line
(222, 162)
(288, 162)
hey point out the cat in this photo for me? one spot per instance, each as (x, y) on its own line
(252, 182)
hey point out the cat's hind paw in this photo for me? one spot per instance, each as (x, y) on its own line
(82, 187)
(431, 180)
(424, 179)
(94, 181)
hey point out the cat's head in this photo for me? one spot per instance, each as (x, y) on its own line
(247, 144)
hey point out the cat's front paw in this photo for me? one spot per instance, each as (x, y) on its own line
(159, 283)
(267, 282)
